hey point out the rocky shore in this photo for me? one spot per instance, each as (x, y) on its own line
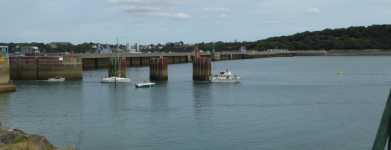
(16, 139)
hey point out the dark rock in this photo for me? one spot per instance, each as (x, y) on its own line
(67, 148)
(41, 141)
(9, 137)
(20, 131)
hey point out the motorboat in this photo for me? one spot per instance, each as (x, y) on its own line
(57, 78)
(145, 84)
(115, 79)
(224, 77)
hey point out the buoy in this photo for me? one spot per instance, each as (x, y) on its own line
(340, 72)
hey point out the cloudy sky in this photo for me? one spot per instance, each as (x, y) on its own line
(190, 21)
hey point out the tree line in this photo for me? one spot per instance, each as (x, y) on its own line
(352, 38)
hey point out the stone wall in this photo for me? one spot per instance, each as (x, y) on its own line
(4, 70)
(41, 68)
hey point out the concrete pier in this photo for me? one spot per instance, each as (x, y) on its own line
(158, 69)
(7, 88)
(202, 69)
(4, 70)
(69, 66)
(118, 65)
(215, 56)
(5, 76)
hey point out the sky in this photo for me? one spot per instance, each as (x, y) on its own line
(191, 21)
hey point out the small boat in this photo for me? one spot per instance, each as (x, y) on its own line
(224, 77)
(57, 78)
(145, 84)
(115, 79)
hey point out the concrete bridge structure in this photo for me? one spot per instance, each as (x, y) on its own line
(91, 61)
(71, 66)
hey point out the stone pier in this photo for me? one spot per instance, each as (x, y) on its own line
(69, 66)
(215, 56)
(158, 69)
(5, 76)
(202, 69)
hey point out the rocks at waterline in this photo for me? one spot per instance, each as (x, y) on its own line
(16, 139)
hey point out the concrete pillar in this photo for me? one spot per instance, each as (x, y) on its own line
(89, 63)
(170, 59)
(215, 56)
(14, 73)
(189, 59)
(176, 59)
(136, 62)
(144, 61)
(230, 57)
(101, 63)
(158, 69)
(202, 69)
(128, 61)
(27, 68)
(119, 65)
(4, 70)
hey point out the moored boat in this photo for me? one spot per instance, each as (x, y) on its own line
(224, 77)
(145, 84)
(57, 78)
(115, 79)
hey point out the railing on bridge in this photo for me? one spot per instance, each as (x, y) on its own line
(384, 130)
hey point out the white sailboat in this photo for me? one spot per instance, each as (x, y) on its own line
(115, 79)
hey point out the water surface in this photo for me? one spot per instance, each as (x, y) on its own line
(279, 111)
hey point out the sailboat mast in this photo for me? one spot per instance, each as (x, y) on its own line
(119, 62)
(213, 45)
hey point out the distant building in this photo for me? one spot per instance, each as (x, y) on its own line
(177, 44)
(93, 46)
(102, 49)
(30, 51)
(3, 51)
(242, 49)
(54, 44)
(168, 43)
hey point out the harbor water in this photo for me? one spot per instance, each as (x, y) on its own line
(282, 103)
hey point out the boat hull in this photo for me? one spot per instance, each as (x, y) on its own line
(56, 80)
(144, 85)
(112, 80)
(224, 80)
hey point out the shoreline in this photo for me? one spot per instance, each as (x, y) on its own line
(368, 52)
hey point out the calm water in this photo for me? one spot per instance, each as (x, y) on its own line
(261, 112)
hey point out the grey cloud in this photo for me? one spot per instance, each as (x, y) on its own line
(313, 11)
(221, 9)
(271, 22)
(151, 8)
(147, 2)
(222, 16)
(291, 17)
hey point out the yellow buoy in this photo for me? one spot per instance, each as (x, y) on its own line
(340, 72)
